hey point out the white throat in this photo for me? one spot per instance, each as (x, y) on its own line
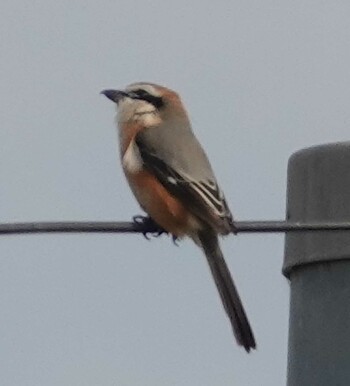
(131, 110)
(134, 112)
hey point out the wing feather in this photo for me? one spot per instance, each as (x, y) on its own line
(203, 198)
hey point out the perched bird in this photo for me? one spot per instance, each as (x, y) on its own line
(172, 179)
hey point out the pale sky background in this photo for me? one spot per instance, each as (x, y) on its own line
(261, 79)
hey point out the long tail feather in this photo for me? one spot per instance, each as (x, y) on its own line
(227, 290)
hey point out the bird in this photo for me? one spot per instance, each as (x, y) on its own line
(172, 179)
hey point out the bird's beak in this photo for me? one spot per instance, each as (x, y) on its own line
(114, 95)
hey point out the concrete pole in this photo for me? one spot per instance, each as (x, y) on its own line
(318, 266)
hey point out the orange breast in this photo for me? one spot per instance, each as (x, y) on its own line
(165, 209)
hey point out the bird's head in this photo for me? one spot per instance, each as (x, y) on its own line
(145, 103)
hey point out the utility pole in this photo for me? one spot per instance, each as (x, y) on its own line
(318, 267)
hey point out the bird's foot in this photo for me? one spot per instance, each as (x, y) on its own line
(148, 225)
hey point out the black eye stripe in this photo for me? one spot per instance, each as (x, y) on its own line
(138, 94)
(144, 95)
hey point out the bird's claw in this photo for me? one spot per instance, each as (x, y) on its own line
(148, 225)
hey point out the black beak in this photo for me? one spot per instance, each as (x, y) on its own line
(114, 95)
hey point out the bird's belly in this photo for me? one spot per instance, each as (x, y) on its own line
(166, 210)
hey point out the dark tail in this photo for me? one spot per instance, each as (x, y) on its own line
(227, 290)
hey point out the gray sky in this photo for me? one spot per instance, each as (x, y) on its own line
(260, 80)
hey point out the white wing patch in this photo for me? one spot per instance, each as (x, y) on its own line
(172, 180)
(132, 160)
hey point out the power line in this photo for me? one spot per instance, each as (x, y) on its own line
(131, 227)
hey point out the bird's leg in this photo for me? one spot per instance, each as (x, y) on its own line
(148, 225)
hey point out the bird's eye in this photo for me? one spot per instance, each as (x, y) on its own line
(145, 96)
(142, 93)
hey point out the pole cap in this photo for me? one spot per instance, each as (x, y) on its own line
(318, 190)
